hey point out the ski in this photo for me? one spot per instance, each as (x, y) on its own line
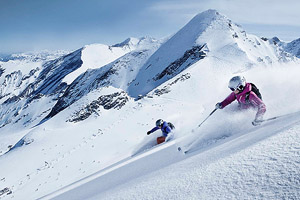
(271, 118)
(279, 116)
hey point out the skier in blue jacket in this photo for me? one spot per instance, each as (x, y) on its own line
(165, 127)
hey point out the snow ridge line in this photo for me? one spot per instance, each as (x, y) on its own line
(22, 181)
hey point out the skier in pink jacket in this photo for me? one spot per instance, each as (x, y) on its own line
(247, 96)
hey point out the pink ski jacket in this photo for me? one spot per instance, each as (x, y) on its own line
(254, 101)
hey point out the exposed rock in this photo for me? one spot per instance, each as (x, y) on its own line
(13, 78)
(1, 71)
(112, 101)
(12, 100)
(54, 72)
(6, 191)
(190, 57)
(93, 79)
(31, 73)
(166, 89)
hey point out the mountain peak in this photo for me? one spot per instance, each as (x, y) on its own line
(128, 42)
(134, 43)
(208, 15)
(204, 19)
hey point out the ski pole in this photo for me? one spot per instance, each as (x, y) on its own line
(207, 117)
(194, 142)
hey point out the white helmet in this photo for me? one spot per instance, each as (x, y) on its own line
(237, 82)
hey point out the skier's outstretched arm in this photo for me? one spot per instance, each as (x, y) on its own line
(152, 130)
(226, 101)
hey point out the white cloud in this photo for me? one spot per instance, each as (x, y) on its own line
(241, 11)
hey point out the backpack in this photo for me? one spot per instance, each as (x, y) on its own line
(255, 90)
(171, 125)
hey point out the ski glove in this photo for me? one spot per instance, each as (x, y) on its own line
(149, 132)
(218, 106)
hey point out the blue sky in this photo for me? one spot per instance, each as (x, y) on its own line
(33, 25)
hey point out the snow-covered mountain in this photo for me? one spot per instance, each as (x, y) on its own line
(26, 86)
(208, 34)
(84, 112)
(34, 56)
(292, 47)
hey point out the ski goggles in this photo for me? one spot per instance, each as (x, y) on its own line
(240, 88)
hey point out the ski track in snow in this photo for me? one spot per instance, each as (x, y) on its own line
(238, 176)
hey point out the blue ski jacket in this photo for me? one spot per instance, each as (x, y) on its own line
(166, 129)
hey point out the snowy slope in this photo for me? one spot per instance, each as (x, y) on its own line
(118, 74)
(248, 167)
(95, 121)
(225, 148)
(97, 55)
(251, 165)
(59, 162)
